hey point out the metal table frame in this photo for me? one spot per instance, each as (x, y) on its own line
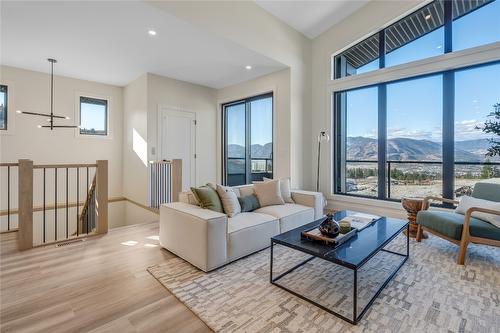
(355, 316)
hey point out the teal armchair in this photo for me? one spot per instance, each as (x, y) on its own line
(460, 229)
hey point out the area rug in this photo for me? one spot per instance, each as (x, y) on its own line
(430, 293)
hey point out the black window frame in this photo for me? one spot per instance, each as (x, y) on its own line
(448, 133)
(338, 71)
(247, 101)
(96, 101)
(5, 89)
(448, 112)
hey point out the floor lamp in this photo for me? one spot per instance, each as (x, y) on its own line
(322, 137)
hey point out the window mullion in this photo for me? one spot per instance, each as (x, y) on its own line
(448, 134)
(382, 140)
(448, 26)
(248, 143)
(381, 48)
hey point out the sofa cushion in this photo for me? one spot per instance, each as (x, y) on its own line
(188, 197)
(250, 232)
(243, 190)
(249, 203)
(286, 193)
(207, 198)
(229, 200)
(467, 202)
(291, 216)
(268, 193)
(450, 224)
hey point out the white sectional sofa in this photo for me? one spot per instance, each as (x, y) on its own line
(208, 239)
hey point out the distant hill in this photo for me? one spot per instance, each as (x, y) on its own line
(258, 151)
(362, 148)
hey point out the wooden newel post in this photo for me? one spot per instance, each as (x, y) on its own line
(25, 193)
(176, 179)
(102, 196)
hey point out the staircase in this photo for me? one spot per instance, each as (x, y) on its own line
(48, 200)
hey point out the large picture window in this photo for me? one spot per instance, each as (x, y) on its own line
(248, 140)
(425, 130)
(3, 107)
(419, 130)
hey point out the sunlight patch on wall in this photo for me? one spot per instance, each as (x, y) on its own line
(140, 147)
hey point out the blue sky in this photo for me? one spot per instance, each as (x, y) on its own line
(93, 116)
(414, 107)
(261, 122)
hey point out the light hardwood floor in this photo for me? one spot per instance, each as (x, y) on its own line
(99, 285)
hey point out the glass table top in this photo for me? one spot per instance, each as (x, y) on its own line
(355, 251)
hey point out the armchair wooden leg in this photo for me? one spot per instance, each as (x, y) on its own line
(419, 233)
(463, 249)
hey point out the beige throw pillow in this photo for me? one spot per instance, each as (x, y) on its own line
(229, 200)
(268, 193)
(286, 193)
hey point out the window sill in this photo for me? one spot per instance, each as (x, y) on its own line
(373, 206)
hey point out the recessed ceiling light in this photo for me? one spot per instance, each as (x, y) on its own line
(248, 67)
(428, 17)
(152, 32)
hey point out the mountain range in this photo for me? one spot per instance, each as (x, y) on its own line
(257, 151)
(362, 148)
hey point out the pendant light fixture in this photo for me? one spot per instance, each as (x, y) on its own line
(51, 116)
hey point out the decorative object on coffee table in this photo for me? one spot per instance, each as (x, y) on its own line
(413, 206)
(329, 227)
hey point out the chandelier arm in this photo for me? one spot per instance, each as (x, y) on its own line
(43, 114)
(59, 126)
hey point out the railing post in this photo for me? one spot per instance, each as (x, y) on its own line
(176, 179)
(102, 196)
(25, 193)
(388, 179)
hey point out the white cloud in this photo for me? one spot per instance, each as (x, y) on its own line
(417, 134)
(466, 130)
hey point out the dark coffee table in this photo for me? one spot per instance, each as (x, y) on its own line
(353, 254)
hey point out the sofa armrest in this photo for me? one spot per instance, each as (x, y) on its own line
(310, 199)
(195, 234)
(468, 215)
(428, 199)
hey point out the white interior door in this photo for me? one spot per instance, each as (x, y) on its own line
(177, 133)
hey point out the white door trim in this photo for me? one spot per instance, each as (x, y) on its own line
(162, 109)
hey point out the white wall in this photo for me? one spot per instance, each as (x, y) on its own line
(135, 136)
(184, 96)
(361, 24)
(247, 24)
(29, 91)
(142, 97)
(279, 84)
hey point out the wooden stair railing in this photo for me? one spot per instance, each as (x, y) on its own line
(86, 215)
(60, 225)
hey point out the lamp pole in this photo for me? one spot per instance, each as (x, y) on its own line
(322, 137)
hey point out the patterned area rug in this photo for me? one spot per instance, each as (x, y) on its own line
(430, 293)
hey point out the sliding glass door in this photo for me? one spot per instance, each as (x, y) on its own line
(248, 140)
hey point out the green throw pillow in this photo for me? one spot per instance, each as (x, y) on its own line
(248, 203)
(208, 198)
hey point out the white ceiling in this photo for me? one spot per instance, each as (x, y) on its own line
(109, 42)
(311, 17)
